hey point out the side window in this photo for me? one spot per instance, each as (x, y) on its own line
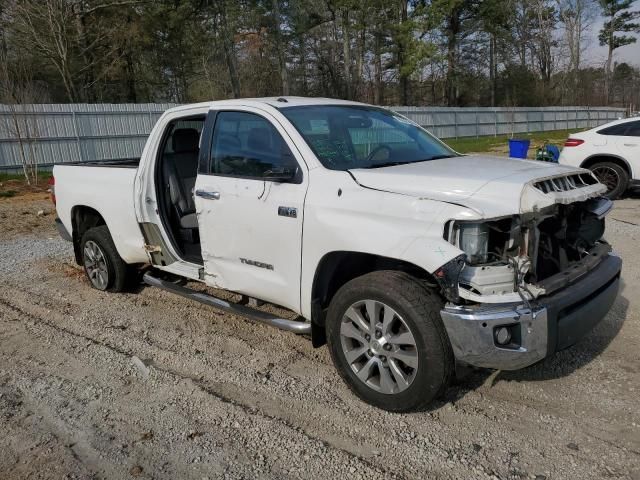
(248, 145)
(614, 130)
(633, 129)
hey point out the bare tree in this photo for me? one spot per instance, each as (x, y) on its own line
(48, 26)
(16, 89)
(576, 17)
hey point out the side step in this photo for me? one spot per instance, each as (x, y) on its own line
(257, 315)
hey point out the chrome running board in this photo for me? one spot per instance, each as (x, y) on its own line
(257, 315)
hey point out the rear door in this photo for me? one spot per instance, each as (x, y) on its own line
(251, 225)
(629, 145)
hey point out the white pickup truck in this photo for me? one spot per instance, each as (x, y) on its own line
(404, 256)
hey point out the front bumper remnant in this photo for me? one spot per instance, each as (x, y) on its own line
(554, 322)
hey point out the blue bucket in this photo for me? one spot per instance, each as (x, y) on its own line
(518, 148)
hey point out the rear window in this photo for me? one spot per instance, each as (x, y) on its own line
(629, 129)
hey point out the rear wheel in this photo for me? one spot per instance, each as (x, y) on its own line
(613, 176)
(103, 266)
(388, 342)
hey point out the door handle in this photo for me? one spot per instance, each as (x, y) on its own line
(208, 195)
(630, 144)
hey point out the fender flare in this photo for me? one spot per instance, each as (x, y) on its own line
(612, 155)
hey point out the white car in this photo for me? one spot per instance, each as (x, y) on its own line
(401, 254)
(610, 151)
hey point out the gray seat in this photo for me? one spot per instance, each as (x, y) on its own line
(180, 170)
(190, 220)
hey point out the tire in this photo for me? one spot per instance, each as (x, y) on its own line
(413, 308)
(99, 255)
(613, 176)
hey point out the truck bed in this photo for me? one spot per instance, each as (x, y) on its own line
(109, 189)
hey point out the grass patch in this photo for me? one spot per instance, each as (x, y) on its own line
(8, 193)
(43, 175)
(500, 143)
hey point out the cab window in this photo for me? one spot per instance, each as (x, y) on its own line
(249, 146)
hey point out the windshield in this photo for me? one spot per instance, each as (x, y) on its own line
(346, 137)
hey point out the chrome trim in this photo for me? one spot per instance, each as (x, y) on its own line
(208, 195)
(257, 315)
(472, 339)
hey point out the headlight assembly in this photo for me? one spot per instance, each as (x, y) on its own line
(473, 239)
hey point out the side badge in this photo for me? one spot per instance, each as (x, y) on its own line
(288, 212)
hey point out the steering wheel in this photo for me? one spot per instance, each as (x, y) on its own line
(376, 150)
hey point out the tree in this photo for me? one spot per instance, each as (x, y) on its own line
(496, 17)
(17, 87)
(543, 43)
(576, 17)
(460, 18)
(618, 20)
(412, 52)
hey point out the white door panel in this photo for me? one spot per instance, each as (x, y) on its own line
(622, 139)
(629, 146)
(251, 235)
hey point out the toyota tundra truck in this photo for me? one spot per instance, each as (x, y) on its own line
(402, 255)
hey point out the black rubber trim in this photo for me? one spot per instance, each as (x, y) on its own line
(205, 143)
(132, 162)
(575, 310)
(62, 231)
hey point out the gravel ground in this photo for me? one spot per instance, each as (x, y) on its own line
(150, 385)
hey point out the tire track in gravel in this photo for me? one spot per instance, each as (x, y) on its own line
(233, 395)
(213, 390)
(436, 443)
(414, 450)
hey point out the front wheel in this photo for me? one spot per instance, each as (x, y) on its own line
(388, 342)
(613, 176)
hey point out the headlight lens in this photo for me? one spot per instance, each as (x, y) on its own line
(473, 239)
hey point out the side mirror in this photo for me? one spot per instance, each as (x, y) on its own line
(280, 174)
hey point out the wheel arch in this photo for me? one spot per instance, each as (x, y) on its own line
(608, 157)
(339, 267)
(83, 218)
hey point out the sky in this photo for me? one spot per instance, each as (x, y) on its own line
(595, 55)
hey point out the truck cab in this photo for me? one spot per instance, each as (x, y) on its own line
(406, 257)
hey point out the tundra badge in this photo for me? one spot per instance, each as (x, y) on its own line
(246, 261)
(288, 212)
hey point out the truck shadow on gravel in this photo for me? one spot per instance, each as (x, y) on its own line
(556, 366)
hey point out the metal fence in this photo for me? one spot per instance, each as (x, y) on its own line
(57, 133)
(478, 122)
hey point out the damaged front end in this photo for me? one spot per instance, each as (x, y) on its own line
(525, 256)
(534, 282)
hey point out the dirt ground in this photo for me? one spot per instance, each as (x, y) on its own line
(150, 385)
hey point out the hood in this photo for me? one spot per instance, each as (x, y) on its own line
(490, 185)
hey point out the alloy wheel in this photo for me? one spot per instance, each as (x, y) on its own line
(607, 176)
(95, 265)
(379, 346)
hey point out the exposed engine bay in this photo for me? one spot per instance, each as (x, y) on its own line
(522, 257)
